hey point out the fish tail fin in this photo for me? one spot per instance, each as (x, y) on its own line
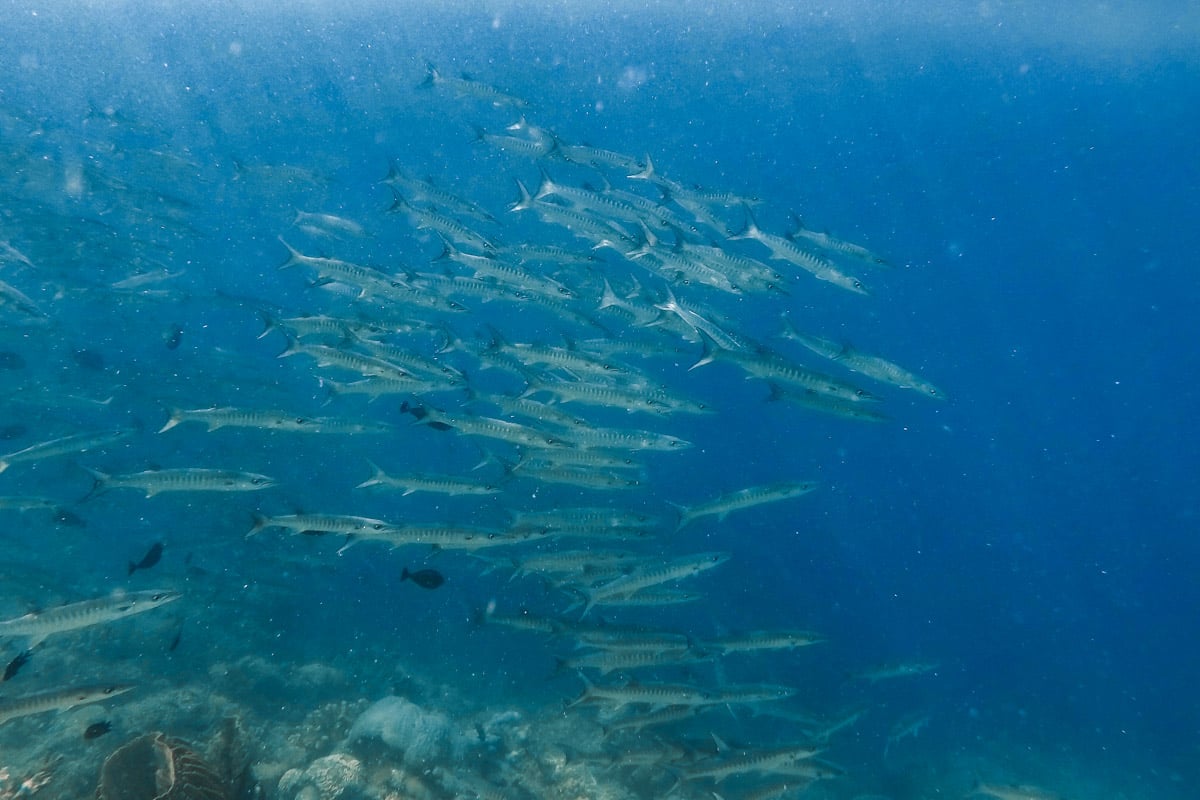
(449, 251)
(709, 350)
(526, 200)
(132, 568)
(269, 323)
(645, 173)
(175, 418)
(405, 574)
(681, 516)
(294, 255)
(259, 521)
(751, 230)
(376, 478)
(393, 173)
(293, 347)
(432, 76)
(99, 482)
(609, 298)
(546, 187)
(398, 202)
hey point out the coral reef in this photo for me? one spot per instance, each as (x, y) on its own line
(338, 776)
(422, 737)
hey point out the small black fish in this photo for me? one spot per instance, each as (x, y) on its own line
(15, 665)
(425, 578)
(11, 360)
(89, 359)
(97, 729)
(64, 517)
(175, 642)
(13, 431)
(172, 336)
(149, 560)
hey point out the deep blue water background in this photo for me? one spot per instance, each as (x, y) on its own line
(1032, 174)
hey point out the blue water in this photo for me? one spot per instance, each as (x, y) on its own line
(1030, 174)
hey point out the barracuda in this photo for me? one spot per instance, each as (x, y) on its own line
(871, 366)
(40, 624)
(67, 445)
(743, 499)
(189, 479)
(58, 700)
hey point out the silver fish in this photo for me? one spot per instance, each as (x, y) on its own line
(38, 625)
(66, 445)
(58, 700)
(188, 479)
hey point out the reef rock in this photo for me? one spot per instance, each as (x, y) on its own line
(423, 738)
(338, 776)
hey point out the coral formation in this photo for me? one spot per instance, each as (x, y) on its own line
(338, 776)
(422, 737)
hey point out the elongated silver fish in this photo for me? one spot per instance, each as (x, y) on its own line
(872, 366)
(319, 524)
(784, 249)
(58, 700)
(743, 499)
(66, 445)
(467, 87)
(441, 537)
(762, 640)
(656, 695)
(37, 625)
(259, 419)
(435, 484)
(673, 570)
(607, 661)
(760, 762)
(188, 479)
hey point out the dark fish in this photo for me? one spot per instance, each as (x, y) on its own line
(97, 729)
(15, 665)
(175, 642)
(14, 431)
(88, 359)
(149, 560)
(172, 336)
(11, 360)
(425, 578)
(64, 517)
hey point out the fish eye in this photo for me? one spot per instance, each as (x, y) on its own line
(109, 689)
(258, 481)
(157, 596)
(377, 526)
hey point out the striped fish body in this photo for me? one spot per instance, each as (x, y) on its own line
(58, 700)
(189, 479)
(84, 614)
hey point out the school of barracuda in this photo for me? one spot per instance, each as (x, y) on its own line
(612, 275)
